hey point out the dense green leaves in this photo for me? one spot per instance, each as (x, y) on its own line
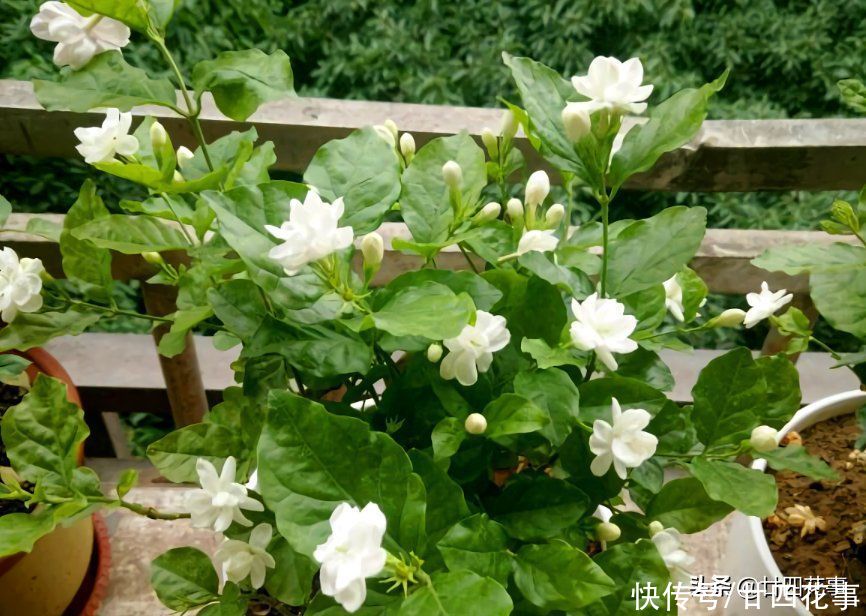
(751, 491)
(538, 507)
(629, 564)
(240, 81)
(650, 251)
(184, 578)
(812, 257)
(557, 576)
(106, 81)
(553, 391)
(364, 170)
(82, 260)
(841, 298)
(477, 544)
(424, 201)
(513, 414)
(458, 593)
(428, 309)
(175, 454)
(484, 295)
(685, 505)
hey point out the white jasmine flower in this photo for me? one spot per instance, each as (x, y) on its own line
(764, 304)
(577, 122)
(311, 233)
(764, 438)
(352, 553)
(674, 298)
(78, 38)
(613, 85)
(219, 501)
(601, 325)
(537, 240)
(537, 189)
(475, 423)
(20, 284)
(677, 560)
(623, 444)
(472, 351)
(100, 144)
(239, 559)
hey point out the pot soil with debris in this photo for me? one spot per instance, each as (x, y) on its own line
(819, 529)
(10, 395)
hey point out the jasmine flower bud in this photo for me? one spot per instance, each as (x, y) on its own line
(385, 134)
(555, 214)
(514, 208)
(158, 135)
(452, 174)
(509, 125)
(488, 212)
(177, 177)
(764, 438)
(489, 141)
(607, 531)
(154, 258)
(732, 317)
(577, 122)
(476, 423)
(407, 147)
(434, 353)
(655, 527)
(537, 189)
(184, 156)
(373, 249)
(392, 128)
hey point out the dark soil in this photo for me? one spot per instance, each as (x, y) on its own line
(9, 397)
(840, 550)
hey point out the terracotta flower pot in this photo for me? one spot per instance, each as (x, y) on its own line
(67, 570)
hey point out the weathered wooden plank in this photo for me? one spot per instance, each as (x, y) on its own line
(727, 155)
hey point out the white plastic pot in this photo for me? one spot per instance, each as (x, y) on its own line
(748, 555)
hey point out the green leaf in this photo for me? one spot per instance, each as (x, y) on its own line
(550, 357)
(106, 81)
(671, 124)
(128, 479)
(429, 309)
(12, 367)
(840, 297)
(596, 396)
(751, 491)
(168, 207)
(630, 564)
(533, 307)
(853, 94)
(571, 281)
(239, 305)
(184, 578)
(646, 366)
(173, 342)
(303, 476)
(364, 170)
(175, 454)
(43, 432)
(544, 94)
(424, 201)
(240, 81)
(30, 330)
(137, 14)
(557, 576)
(783, 391)
(20, 531)
(477, 544)
(82, 260)
(131, 234)
(796, 458)
(694, 292)
(447, 437)
(539, 507)
(513, 414)
(553, 391)
(458, 593)
(445, 501)
(5, 210)
(42, 227)
(813, 257)
(650, 251)
(484, 295)
(292, 578)
(685, 505)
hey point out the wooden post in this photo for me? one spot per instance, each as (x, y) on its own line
(776, 342)
(183, 380)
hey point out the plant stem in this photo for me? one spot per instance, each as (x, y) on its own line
(118, 312)
(468, 260)
(183, 228)
(833, 353)
(605, 223)
(152, 513)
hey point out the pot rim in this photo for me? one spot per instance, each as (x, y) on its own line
(820, 410)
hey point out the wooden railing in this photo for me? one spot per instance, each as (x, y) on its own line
(729, 156)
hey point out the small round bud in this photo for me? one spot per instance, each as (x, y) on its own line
(434, 352)
(577, 122)
(509, 125)
(555, 214)
(385, 134)
(655, 527)
(537, 189)
(452, 174)
(177, 177)
(489, 141)
(764, 438)
(488, 212)
(476, 423)
(373, 249)
(407, 147)
(732, 317)
(158, 135)
(607, 531)
(154, 258)
(392, 128)
(184, 156)
(514, 208)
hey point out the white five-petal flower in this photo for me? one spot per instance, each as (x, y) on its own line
(219, 501)
(677, 560)
(100, 144)
(622, 443)
(613, 85)
(311, 233)
(764, 304)
(539, 240)
(472, 350)
(674, 298)
(352, 553)
(78, 38)
(601, 325)
(239, 559)
(20, 284)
